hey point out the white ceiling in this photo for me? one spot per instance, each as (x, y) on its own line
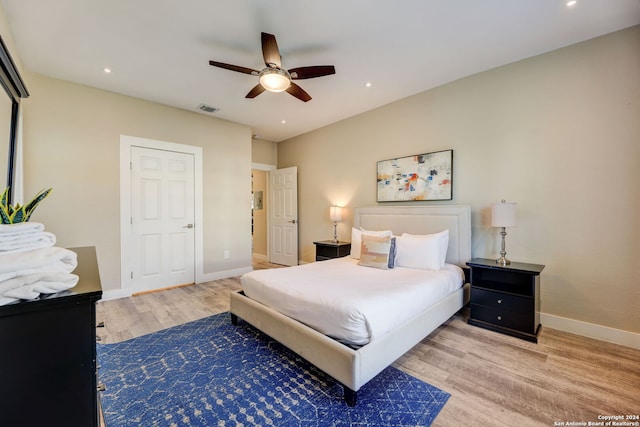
(159, 50)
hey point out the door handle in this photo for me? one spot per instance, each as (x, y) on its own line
(188, 226)
(293, 221)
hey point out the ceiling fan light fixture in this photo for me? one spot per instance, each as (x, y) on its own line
(275, 79)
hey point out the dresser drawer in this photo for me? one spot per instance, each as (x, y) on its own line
(521, 321)
(501, 301)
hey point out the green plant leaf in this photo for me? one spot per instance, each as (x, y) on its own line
(31, 206)
(4, 197)
(4, 215)
(18, 215)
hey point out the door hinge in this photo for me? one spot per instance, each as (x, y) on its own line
(132, 274)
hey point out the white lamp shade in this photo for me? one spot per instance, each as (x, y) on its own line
(503, 214)
(335, 213)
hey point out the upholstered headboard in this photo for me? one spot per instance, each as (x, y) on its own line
(423, 220)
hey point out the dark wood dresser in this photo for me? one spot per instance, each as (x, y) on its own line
(506, 298)
(48, 354)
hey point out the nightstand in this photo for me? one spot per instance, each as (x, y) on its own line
(506, 298)
(328, 249)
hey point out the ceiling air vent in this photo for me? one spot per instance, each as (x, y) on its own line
(208, 108)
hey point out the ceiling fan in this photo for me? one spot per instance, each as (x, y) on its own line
(273, 77)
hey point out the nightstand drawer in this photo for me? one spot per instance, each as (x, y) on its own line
(501, 301)
(328, 250)
(504, 318)
(503, 281)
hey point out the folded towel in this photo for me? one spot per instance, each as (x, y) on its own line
(48, 260)
(7, 276)
(29, 241)
(20, 228)
(7, 300)
(32, 285)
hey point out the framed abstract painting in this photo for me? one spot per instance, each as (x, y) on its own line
(427, 176)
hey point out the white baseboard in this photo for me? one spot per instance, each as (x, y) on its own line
(591, 330)
(115, 294)
(207, 277)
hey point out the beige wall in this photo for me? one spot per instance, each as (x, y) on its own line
(7, 38)
(559, 134)
(71, 143)
(264, 152)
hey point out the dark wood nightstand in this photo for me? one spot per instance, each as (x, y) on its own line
(506, 298)
(328, 249)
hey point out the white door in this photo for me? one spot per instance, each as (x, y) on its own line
(162, 218)
(283, 216)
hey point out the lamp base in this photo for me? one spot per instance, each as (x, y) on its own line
(503, 261)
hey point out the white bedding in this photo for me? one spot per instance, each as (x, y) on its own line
(348, 302)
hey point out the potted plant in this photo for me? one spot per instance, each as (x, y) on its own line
(19, 213)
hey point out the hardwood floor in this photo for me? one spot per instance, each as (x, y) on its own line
(494, 380)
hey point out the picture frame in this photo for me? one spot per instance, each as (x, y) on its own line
(420, 177)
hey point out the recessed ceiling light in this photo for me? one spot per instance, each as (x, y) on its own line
(284, 121)
(572, 3)
(106, 70)
(368, 84)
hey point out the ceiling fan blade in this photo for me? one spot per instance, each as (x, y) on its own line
(257, 90)
(298, 92)
(270, 50)
(237, 68)
(311, 72)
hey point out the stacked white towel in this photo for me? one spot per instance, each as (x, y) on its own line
(23, 237)
(30, 265)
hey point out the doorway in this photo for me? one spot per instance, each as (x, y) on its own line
(161, 214)
(259, 209)
(283, 216)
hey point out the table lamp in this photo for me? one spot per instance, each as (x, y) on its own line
(503, 215)
(335, 214)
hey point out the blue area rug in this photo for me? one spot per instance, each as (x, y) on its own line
(211, 373)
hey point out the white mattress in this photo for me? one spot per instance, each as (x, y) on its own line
(348, 302)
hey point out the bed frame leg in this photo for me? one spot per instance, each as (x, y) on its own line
(234, 319)
(350, 396)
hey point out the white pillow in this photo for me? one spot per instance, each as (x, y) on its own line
(421, 253)
(443, 238)
(356, 239)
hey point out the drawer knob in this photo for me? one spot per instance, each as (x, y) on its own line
(499, 317)
(499, 301)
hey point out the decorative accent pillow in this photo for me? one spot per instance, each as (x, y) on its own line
(356, 238)
(443, 237)
(420, 253)
(392, 253)
(374, 251)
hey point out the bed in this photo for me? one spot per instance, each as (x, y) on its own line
(355, 366)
